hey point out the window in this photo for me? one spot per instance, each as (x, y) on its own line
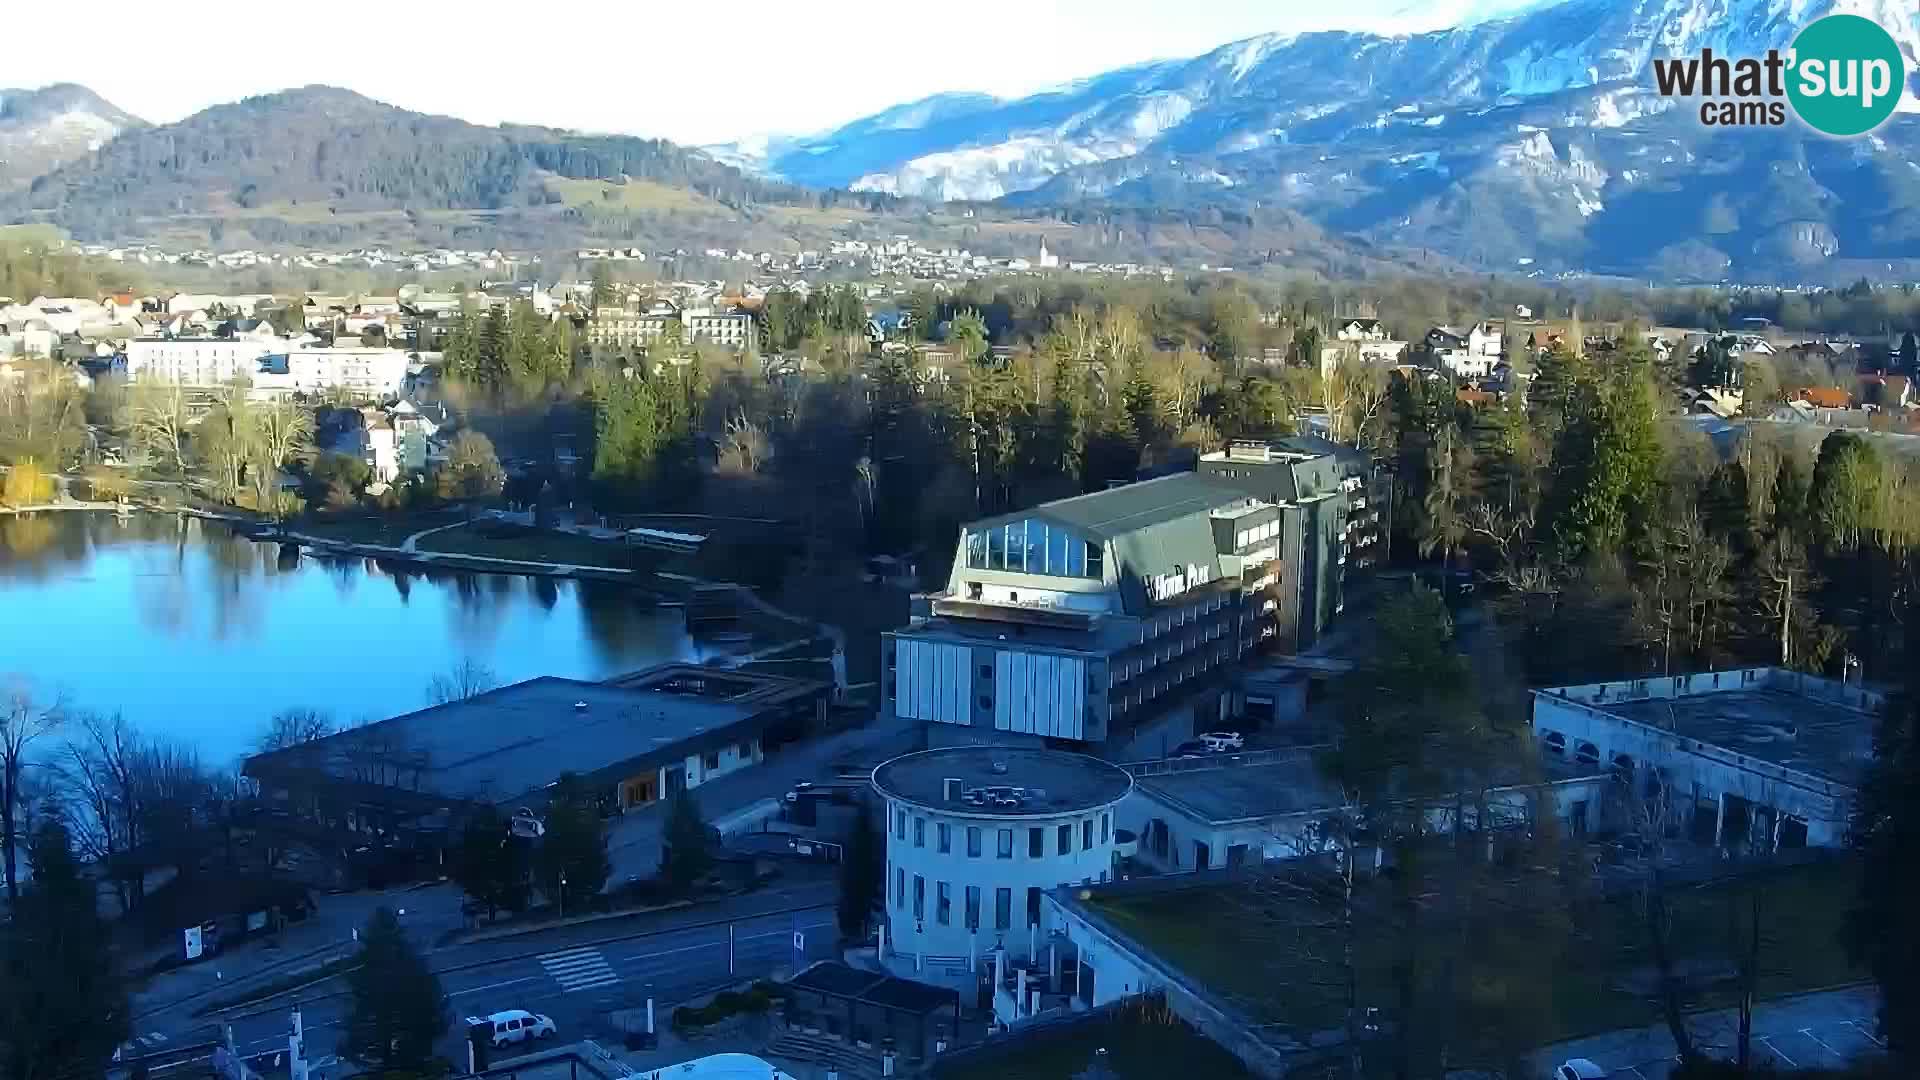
(1036, 843)
(942, 902)
(1005, 850)
(919, 897)
(973, 842)
(900, 886)
(943, 838)
(1106, 827)
(1066, 839)
(986, 702)
(899, 824)
(1086, 835)
(973, 907)
(919, 832)
(711, 761)
(1002, 909)
(986, 671)
(1033, 905)
(886, 882)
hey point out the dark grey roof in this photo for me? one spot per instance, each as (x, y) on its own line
(1798, 732)
(1056, 782)
(1117, 512)
(510, 742)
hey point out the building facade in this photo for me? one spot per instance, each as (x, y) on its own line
(975, 838)
(628, 327)
(1754, 758)
(1088, 620)
(196, 361)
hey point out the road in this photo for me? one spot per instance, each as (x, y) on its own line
(1826, 1029)
(575, 981)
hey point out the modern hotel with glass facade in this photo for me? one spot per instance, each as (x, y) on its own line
(1076, 621)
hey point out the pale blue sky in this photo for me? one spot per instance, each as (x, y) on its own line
(691, 72)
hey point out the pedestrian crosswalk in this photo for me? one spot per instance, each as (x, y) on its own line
(578, 969)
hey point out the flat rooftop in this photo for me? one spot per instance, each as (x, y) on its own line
(517, 739)
(1229, 787)
(1830, 741)
(1233, 792)
(1056, 782)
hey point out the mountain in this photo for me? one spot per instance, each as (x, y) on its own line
(325, 167)
(1535, 140)
(41, 130)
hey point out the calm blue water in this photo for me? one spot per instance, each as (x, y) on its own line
(200, 635)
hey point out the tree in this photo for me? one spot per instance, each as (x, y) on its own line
(489, 864)
(229, 440)
(689, 843)
(1848, 492)
(468, 679)
(27, 484)
(967, 333)
(573, 850)
(1880, 932)
(472, 471)
(23, 722)
(1608, 462)
(398, 1009)
(295, 727)
(158, 420)
(63, 1007)
(282, 429)
(602, 278)
(862, 875)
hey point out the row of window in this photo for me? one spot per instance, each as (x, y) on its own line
(1246, 538)
(1004, 841)
(1034, 547)
(915, 900)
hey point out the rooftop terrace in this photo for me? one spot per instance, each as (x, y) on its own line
(1053, 781)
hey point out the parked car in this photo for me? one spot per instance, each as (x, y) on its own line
(1579, 1069)
(1221, 741)
(526, 824)
(514, 1026)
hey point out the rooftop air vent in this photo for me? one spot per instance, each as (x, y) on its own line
(579, 706)
(950, 789)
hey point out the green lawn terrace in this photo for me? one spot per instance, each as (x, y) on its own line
(1499, 958)
(1143, 1040)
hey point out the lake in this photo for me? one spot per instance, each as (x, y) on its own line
(198, 634)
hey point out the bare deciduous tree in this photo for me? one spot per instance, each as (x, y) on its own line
(294, 727)
(469, 678)
(24, 720)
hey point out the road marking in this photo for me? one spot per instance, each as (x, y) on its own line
(578, 969)
(1861, 1027)
(658, 953)
(1838, 1058)
(492, 986)
(1768, 1041)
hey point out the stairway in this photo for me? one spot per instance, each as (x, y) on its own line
(853, 1062)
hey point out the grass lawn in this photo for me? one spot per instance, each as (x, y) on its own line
(386, 529)
(498, 541)
(1594, 975)
(1139, 1047)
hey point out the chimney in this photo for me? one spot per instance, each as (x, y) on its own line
(950, 789)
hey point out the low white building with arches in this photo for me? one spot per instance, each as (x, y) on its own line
(1753, 758)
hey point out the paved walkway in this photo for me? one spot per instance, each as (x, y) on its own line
(412, 543)
(1825, 1029)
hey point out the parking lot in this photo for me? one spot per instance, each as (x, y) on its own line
(1830, 1028)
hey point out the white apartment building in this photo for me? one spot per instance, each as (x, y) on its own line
(976, 836)
(196, 361)
(373, 373)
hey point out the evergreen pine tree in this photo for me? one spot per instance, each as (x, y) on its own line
(398, 1010)
(862, 870)
(63, 1008)
(689, 843)
(1881, 933)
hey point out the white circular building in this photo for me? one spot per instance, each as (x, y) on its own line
(977, 834)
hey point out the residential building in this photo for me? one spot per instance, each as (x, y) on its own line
(976, 836)
(632, 741)
(1467, 354)
(197, 361)
(1106, 620)
(367, 373)
(1360, 330)
(627, 326)
(1752, 758)
(1333, 507)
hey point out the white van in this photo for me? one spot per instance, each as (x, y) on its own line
(514, 1025)
(1222, 742)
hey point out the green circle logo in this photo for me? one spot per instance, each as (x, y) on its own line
(1846, 75)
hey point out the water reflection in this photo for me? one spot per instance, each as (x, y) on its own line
(200, 634)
